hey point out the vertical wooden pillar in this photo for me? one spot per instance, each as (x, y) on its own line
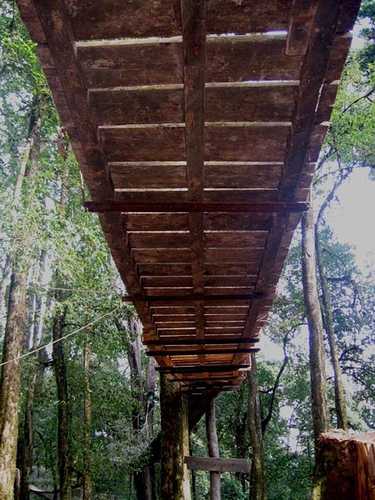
(175, 481)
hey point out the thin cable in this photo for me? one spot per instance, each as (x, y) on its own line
(74, 332)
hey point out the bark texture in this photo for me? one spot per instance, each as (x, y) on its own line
(213, 450)
(340, 400)
(63, 412)
(314, 318)
(347, 466)
(87, 422)
(10, 382)
(257, 480)
(175, 482)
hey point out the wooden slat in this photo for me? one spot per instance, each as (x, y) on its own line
(159, 256)
(170, 281)
(160, 269)
(157, 222)
(148, 176)
(115, 19)
(198, 296)
(201, 369)
(222, 340)
(235, 239)
(236, 222)
(165, 105)
(242, 175)
(218, 464)
(205, 351)
(266, 207)
(160, 240)
(223, 281)
(229, 59)
(230, 142)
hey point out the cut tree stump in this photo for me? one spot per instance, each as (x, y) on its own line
(346, 466)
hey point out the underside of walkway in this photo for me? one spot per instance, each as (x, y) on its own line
(197, 126)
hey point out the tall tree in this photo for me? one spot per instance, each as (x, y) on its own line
(64, 406)
(213, 450)
(314, 319)
(257, 474)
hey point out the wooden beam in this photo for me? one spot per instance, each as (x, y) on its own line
(169, 352)
(218, 464)
(193, 207)
(219, 340)
(313, 71)
(193, 297)
(200, 368)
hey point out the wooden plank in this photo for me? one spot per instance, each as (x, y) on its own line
(225, 281)
(234, 142)
(160, 256)
(160, 269)
(237, 59)
(222, 340)
(163, 281)
(218, 464)
(159, 142)
(157, 222)
(313, 73)
(267, 103)
(197, 296)
(233, 255)
(160, 239)
(236, 222)
(119, 106)
(235, 239)
(201, 369)
(229, 59)
(204, 350)
(214, 269)
(116, 19)
(162, 104)
(148, 176)
(271, 207)
(242, 175)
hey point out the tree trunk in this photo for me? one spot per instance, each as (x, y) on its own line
(16, 325)
(213, 450)
(63, 414)
(10, 381)
(257, 481)
(87, 417)
(314, 318)
(340, 401)
(25, 442)
(347, 468)
(175, 482)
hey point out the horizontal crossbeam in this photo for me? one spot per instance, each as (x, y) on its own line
(203, 351)
(193, 297)
(201, 368)
(199, 207)
(219, 340)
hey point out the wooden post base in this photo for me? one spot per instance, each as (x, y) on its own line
(175, 480)
(346, 468)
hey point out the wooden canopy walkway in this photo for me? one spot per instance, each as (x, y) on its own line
(197, 125)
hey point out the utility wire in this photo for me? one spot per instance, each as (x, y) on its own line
(74, 332)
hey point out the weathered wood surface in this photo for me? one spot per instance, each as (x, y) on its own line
(346, 466)
(197, 126)
(218, 464)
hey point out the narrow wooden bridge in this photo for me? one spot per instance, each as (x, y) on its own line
(197, 125)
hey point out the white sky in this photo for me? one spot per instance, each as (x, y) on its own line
(352, 218)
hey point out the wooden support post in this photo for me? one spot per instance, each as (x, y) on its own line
(175, 482)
